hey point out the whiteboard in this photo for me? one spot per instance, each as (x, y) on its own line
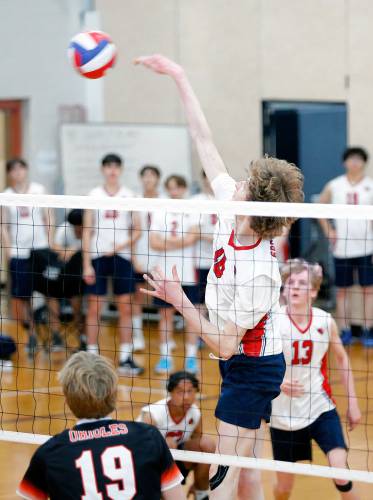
(84, 145)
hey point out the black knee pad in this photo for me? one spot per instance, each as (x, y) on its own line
(344, 487)
(218, 478)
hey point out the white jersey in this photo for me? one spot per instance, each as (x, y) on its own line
(244, 283)
(305, 352)
(161, 418)
(110, 227)
(27, 227)
(354, 237)
(146, 257)
(207, 224)
(169, 224)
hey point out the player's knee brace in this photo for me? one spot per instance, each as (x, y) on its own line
(344, 487)
(218, 478)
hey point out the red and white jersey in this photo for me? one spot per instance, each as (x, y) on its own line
(354, 237)
(207, 224)
(305, 352)
(27, 227)
(161, 418)
(170, 225)
(244, 283)
(110, 227)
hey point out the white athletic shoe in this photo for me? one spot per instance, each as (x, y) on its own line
(138, 341)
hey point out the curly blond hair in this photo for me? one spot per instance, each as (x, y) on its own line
(274, 180)
(296, 266)
(89, 383)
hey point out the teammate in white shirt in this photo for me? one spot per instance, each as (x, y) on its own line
(24, 229)
(143, 257)
(352, 241)
(68, 245)
(173, 236)
(108, 237)
(305, 409)
(203, 248)
(242, 295)
(178, 419)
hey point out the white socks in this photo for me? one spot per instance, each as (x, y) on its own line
(125, 352)
(92, 348)
(164, 349)
(137, 324)
(191, 351)
(201, 494)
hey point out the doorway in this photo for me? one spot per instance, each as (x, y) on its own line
(10, 134)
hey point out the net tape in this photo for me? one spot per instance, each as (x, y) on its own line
(226, 208)
(231, 460)
(305, 210)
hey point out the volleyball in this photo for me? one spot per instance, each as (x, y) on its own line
(92, 53)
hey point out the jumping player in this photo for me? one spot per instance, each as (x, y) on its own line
(173, 236)
(305, 410)
(100, 457)
(178, 419)
(242, 330)
(352, 242)
(108, 237)
(143, 257)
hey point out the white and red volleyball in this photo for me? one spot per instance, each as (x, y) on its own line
(92, 53)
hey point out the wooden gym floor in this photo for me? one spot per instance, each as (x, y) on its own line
(31, 401)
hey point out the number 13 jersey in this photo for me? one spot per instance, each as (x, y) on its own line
(305, 351)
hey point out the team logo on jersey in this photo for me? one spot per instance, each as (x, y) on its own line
(23, 211)
(111, 214)
(320, 330)
(219, 262)
(190, 421)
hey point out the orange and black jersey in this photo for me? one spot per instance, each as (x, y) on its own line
(101, 459)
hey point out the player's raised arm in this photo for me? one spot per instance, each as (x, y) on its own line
(211, 160)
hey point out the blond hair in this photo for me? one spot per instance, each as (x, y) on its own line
(296, 266)
(277, 181)
(89, 383)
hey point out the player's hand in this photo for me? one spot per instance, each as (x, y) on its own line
(353, 415)
(89, 274)
(160, 64)
(165, 289)
(292, 388)
(171, 442)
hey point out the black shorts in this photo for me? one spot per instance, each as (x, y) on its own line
(191, 291)
(119, 269)
(202, 282)
(345, 271)
(292, 446)
(54, 278)
(249, 385)
(20, 278)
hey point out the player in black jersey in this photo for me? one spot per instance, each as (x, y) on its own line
(100, 458)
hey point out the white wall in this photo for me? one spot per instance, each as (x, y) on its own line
(34, 37)
(239, 53)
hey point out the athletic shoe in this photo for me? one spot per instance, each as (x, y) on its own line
(191, 365)
(82, 343)
(367, 338)
(129, 367)
(57, 343)
(164, 365)
(346, 336)
(31, 345)
(6, 365)
(138, 340)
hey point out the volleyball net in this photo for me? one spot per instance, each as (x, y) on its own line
(44, 295)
